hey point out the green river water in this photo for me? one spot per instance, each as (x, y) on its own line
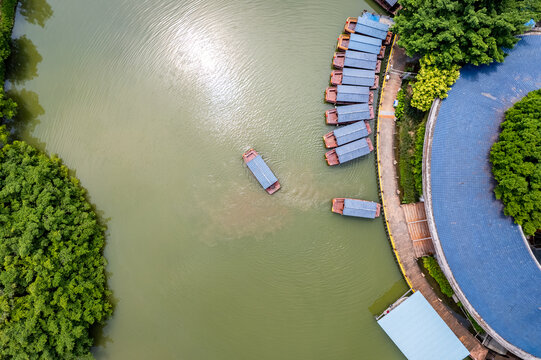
(152, 104)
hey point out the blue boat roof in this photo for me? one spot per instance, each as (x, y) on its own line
(351, 54)
(490, 261)
(360, 208)
(262, 172)
(355, 112)
(358, 77)
(352, 94)
(351, 109)
(368, 48)
(370, 31)
(350, 89)
(359, 73)
(350, 133)
(360, 64)
(365, 40)
(420, 333)
(352, 150)
(376, 24)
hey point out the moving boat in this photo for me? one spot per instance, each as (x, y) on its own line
(346, 134)
(357, 77)
(261, 171)
(349, 151)
(356, 207)
(356, 59)
(347, 94)
(347, 114)
(359, 43)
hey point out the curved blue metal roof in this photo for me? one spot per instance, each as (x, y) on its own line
(484, 249)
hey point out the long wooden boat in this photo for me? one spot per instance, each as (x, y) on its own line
(346, 134)
(356, 59)
(349, 151)
(358, 42)
(356, 207)
(367, 24)
(349, 94)
(261, 171)
(348, 114)
(356, 77)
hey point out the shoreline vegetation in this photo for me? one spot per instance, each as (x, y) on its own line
(53, 285)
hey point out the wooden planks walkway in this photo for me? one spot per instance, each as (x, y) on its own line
(418, 229)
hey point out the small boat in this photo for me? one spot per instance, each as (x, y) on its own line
(261, 171)
(388, 38)
(365, 25)
(347, 94)
(390, 5)
(349, 151)
(346, 134)
(357, 77)
(348, 114)
(356, 59)
(381, 53)
(355, 207)
(359, 43)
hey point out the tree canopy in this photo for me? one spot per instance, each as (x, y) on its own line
(52, 271)
(451, 33)
(516, 163)
(461, 31)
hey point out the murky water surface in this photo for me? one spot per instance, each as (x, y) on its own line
(153, 104)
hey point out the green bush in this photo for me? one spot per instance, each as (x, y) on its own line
(434, 270)
(516, 163)
(432, 82)
(417, 159)
(52, 271)
(399, 110)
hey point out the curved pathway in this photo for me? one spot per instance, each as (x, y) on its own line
(482, 252)
(394, 216)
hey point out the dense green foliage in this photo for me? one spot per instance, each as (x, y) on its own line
(7, 17)
(432, 82)
(516, 163)
(417, 160)
(447, 34)
(52, 272)
(408, 124)
(435, 271)
(462, 31)
(399, 110)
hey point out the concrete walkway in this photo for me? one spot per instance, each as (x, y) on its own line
(394, 215)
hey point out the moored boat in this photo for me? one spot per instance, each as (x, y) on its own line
(356, 207)
(346, 134)
(369, 25)
(348, 114)
(261, 171)
(358, 42)
(349, 151)
(381, 53)
(357, 77)
(348, 94)
(356, 59)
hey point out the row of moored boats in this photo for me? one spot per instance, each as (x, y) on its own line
(357, 65)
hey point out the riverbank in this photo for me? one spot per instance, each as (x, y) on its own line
(395, 220)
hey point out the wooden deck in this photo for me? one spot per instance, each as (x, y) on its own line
(418, 229)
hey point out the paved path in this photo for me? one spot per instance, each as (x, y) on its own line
(396, 221)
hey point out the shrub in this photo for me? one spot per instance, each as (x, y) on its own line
(432, 82)
(435, 271)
